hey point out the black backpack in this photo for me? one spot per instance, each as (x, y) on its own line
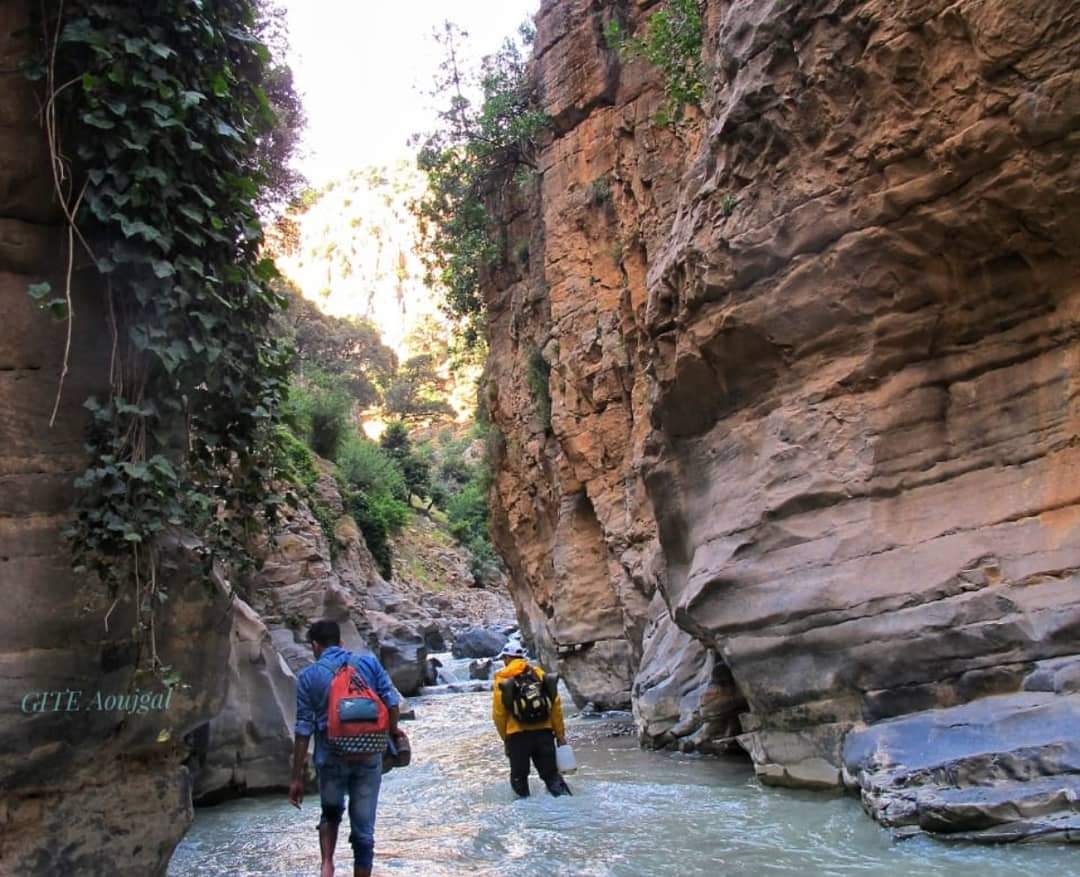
(529, 700)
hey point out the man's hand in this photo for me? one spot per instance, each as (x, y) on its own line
(561, 741)
(296, 793)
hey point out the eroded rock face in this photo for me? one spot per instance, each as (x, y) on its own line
(304, 579)
(813, 373)
(248, 745)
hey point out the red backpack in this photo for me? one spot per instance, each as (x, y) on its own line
(358, 722)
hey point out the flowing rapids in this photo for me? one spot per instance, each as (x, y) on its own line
(633, 813)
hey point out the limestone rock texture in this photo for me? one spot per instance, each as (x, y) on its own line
(813, 463)
(247, 747)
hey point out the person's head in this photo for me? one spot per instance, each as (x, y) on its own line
(513, 652)
(323, 634)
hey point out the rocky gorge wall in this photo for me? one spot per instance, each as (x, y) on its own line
(812, 478)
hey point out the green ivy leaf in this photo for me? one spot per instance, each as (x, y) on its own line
(227, 130)
(38, 291)
(192, 213)
(97, 120)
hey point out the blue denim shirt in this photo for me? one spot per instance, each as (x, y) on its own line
(313, 690)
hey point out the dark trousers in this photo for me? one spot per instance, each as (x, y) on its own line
(539, 748)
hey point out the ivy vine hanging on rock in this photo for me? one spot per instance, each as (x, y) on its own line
(164, 148)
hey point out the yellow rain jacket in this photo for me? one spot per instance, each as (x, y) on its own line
(506, 723)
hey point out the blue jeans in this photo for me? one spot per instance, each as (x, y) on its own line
(361, 783)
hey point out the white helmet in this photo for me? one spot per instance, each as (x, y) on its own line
(513, 650)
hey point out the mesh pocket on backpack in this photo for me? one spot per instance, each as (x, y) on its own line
(358, 745)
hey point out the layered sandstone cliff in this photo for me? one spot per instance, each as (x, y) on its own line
(812, 479)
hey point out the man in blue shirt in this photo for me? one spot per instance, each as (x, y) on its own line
(359, 780)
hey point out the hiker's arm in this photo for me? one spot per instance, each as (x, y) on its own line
(299, 758)
(557, 721)
(305, 727)
(498, 712)
(395, 717)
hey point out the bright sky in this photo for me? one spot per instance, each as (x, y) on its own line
(363, 68)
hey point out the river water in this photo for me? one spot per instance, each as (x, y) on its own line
(633, 813)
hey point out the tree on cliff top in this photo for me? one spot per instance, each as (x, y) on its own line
(418, 392)
(475, 150)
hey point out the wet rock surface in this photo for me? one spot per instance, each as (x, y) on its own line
(1007, 766)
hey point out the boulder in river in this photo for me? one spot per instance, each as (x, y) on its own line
(478, 642)
(1001, 768)
(480, 668)
(431, 672)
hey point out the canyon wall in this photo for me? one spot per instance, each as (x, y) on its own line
(811, 484)
(84, 790)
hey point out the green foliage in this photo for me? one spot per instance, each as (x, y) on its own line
(468, 161)
(673, 42)
(167, 128)
(319, 409)
(414, 468)
(293, 459)
(327, 519)
(728, 204)
(376, 495)
(350, 349)
(538, 374)
(600, 191)
(461, 489)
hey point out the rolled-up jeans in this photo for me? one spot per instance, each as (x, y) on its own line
(361, 782)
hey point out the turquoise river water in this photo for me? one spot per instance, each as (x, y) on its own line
(633, 813)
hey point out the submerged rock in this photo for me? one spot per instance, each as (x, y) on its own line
(480, 668)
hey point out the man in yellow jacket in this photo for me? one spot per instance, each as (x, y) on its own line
(527, 736)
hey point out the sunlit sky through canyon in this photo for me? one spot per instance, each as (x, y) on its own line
(365, 70)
